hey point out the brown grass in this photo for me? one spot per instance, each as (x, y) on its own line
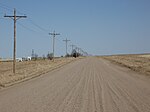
(139, 63)
(27, 70)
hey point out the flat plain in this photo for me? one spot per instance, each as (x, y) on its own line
(28, 69)
(137, 62)
(88, 85)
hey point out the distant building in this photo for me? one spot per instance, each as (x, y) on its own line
(29, 58)
(19, 60)
(26, 59)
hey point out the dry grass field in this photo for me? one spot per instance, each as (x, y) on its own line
(139, 63)
(27, 70)
(88, 85)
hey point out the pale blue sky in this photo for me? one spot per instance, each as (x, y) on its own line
(99, 27)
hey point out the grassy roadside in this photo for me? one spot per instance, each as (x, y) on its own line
(28, 70)
(139, 63)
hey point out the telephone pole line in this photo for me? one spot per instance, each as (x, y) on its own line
(72, 46)
(15, 18)
(54, 35)
(66, 45)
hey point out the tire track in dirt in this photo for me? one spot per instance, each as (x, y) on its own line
(88, 85)
(116, 91)
(67, 90)
(71, 101)
(122, 92)
(100, 91)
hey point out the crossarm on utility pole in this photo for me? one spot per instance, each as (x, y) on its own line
(15, 18)
(54, 34)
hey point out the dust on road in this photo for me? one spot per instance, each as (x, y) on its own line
(87, 85)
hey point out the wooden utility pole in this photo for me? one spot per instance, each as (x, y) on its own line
(76, 51)
(66, 45)
(54, 35)
(72, 46)
(15, 18)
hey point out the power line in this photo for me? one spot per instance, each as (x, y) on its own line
(54, 35)
(32, 30)
(15, 18)
(29, 29)
(72, 46)
(6, 7)
(36, 25)
(31, 21)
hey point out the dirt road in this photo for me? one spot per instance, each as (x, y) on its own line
(87, 85)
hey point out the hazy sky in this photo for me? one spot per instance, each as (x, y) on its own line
(97, 26)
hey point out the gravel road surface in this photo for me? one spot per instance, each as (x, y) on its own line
(86, 85)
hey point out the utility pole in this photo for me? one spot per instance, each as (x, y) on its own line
(15, 18)
(66, 45)
(72, 46)
(54, 35)
(76, 51)
(33, 55)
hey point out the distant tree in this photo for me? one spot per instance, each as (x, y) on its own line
(68, 55)
(32, 55)
(44, 57)
(36, 57)
(75, 53)
(50, 56)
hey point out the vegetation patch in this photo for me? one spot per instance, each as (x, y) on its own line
(139, 62)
